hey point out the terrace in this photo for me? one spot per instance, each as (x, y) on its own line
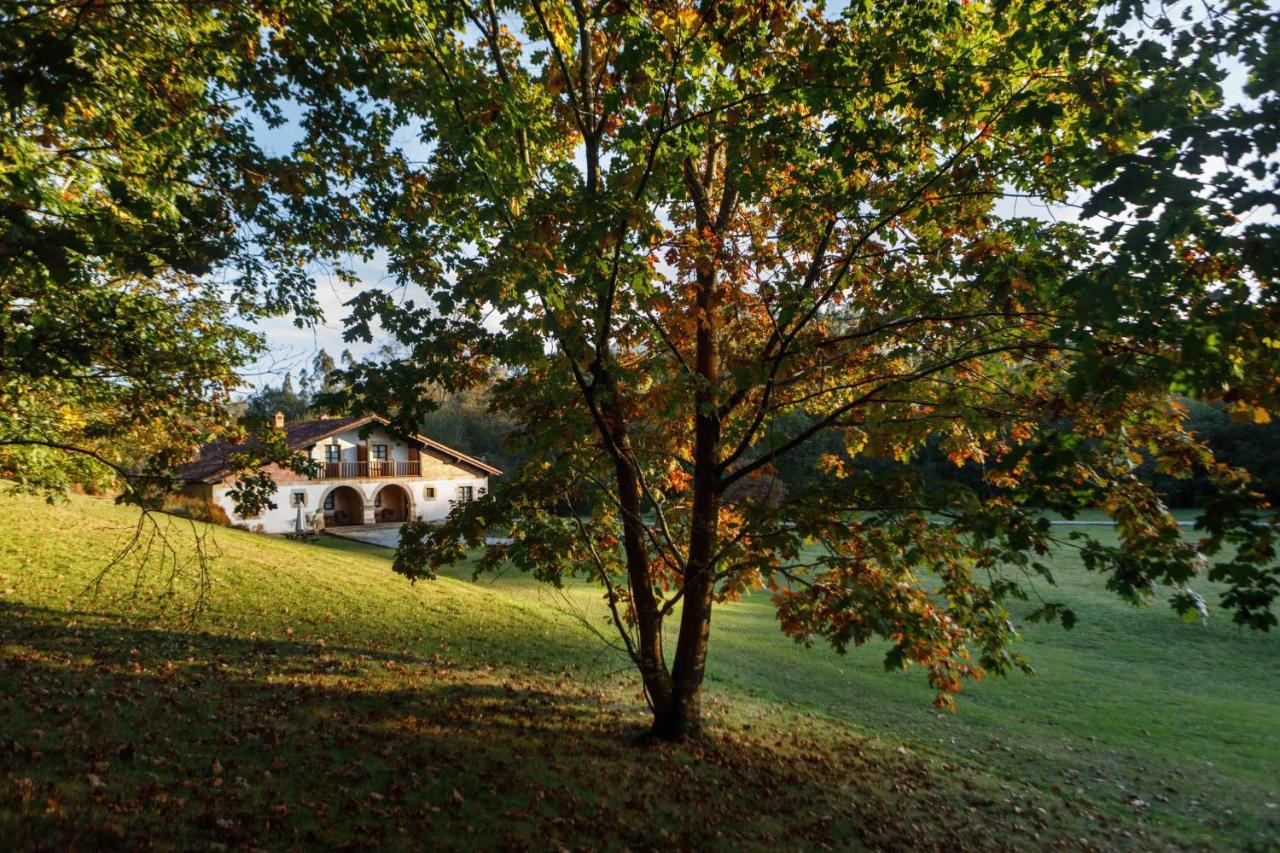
(371, 469)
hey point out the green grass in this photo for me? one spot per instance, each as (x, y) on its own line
(317, 698)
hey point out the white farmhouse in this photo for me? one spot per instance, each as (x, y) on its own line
(379, 478)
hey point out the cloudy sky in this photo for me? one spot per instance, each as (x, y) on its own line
(290, 347)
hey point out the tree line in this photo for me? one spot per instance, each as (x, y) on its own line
(468, 422)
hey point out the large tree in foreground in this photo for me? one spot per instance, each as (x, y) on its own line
(1012, 230)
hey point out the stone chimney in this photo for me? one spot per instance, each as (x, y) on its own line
(279, 420)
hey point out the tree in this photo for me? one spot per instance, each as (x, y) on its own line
(1237, 441)
(466, 420)
(681, 226)
(130, 191)
(322, 369)
(262, 405)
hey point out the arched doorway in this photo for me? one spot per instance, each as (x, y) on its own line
(343, 507)
(392, 504)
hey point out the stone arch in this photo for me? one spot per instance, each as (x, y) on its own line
(396, 501)
(348, 506)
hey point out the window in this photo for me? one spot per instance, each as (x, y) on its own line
(429, 493)
(328, 502)
(380, 452)
(332, 453)
(298, 499)
(465, 493)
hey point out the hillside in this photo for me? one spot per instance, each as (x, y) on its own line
(317, 698)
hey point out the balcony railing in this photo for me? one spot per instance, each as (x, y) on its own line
(374, 468)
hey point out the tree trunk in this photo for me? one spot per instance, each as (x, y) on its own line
(682, 716)
(680, 719)
(649, 653)
(651, 660)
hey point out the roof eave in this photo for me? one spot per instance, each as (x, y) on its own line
(220, 473)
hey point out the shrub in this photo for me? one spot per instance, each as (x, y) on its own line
(766, 489)
(197, 509)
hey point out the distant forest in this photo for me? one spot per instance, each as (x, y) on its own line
(1252, 446)
(465, 422)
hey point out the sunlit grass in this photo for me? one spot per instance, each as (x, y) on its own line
(317, 698)
(1133, 709)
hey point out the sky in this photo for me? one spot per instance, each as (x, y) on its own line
(292, 348)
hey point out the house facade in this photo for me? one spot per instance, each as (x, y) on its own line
(369, 474)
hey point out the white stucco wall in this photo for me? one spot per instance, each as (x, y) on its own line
(283, 518)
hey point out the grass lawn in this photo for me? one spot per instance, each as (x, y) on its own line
(318, 699)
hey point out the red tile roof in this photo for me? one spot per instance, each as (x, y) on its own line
(214, 458)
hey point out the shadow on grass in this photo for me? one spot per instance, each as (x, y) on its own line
(117, 736)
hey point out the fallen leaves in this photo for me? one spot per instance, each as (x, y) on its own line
(236, 742)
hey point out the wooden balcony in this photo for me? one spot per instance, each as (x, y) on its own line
(374, 469)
